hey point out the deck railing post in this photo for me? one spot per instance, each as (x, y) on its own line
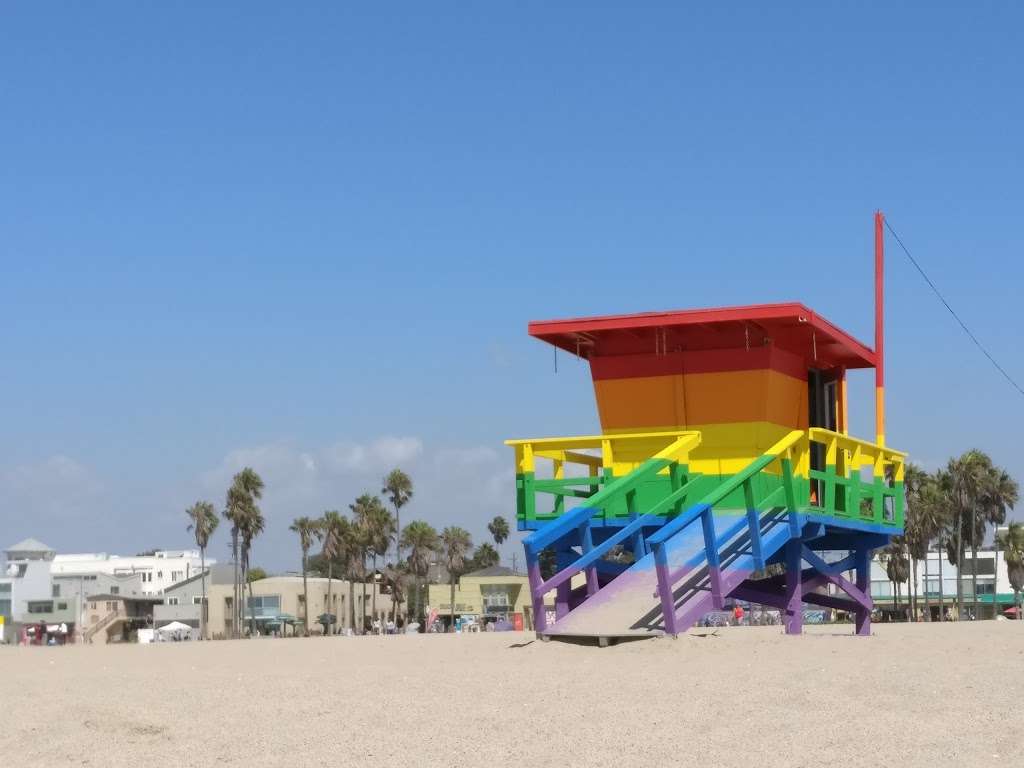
(863, 580)
(753, 524)
(587, 544)
(707, 522)
(794, 613)
(540, 618)
(668, 606)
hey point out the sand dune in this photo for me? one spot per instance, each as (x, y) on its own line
(911, 695)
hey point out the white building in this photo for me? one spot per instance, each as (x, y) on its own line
(26, 591)
(994, 587)
(157, 571)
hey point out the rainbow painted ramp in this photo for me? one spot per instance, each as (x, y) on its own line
(630, 606)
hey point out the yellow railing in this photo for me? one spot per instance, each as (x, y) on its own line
(634, 447)
(851, 453)
(621, 452)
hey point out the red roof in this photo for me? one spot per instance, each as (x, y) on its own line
(792, 327)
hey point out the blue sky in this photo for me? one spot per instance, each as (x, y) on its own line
(310, 238)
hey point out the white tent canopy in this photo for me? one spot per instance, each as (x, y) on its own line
(175, 626)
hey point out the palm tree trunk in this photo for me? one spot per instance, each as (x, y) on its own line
(373, 597)
(235, 598)
(362, 608)
(913, 598)
(942, 583)
(451, 605)
(305, 593)
(959, 562)
(351, 604)
(927, 598)
(202, 606)
(252, 614)
(327, 609)
(974, 566)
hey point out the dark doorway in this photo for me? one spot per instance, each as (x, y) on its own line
(821, 404)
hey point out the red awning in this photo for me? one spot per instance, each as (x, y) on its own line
(792, 327)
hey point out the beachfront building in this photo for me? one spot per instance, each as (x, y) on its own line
(936, 579)
(37, 588)
(116, 618)
(277, 603)
(489, 594)
(27, 595)
(158, 570)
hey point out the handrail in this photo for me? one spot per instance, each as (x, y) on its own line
(822, 435)
(596, 553)
(580, 518)
(723, 490)
(106, 621)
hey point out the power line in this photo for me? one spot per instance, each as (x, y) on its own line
(956, 317)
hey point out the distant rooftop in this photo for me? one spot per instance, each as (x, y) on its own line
(30, 545)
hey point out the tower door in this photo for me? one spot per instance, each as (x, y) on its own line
(822, 408)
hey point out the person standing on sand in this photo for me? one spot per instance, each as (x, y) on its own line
(737, 614)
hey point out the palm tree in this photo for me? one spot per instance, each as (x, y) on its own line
(897, 566)
(916, 536)
(332, 532)
(498, 528)
(1000, 495)
(375, 527)
(252, 525)
(203, 523)
(308, 530)
(1013, 549)
(455, 543)
(927, 515)
(421, 540)
(398, 489)
(964, 479)
(485, 556)
(246, 488)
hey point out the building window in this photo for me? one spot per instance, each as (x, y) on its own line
(172, 601)
(197, 599)
(932, 588)
(159, 574)
(986, 567)
(56, 591)
(40, 606)
(115, 590)
(265, 605)
(175, 576)
(62, 606)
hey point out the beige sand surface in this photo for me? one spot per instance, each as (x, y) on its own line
(912, 695)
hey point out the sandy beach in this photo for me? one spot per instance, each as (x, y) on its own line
(911, 695)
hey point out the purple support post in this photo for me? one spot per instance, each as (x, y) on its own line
(862, 556)
(794, 613)
(562, 594)
(668, 605)
(540, 618)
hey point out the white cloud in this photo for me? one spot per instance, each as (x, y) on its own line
(379, 455)
(40, 498)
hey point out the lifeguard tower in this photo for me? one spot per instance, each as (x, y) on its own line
(724, 449)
